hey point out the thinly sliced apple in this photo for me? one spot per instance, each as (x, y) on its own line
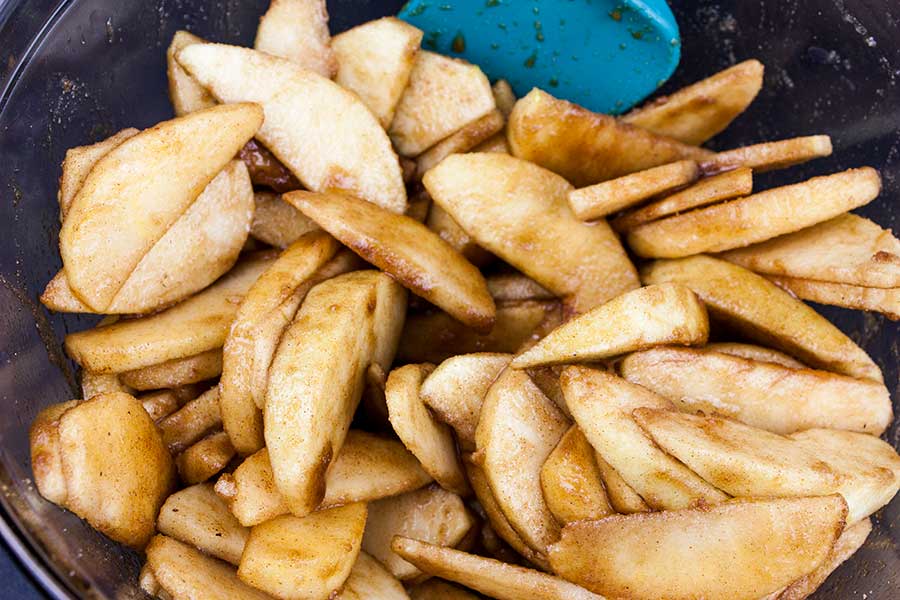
(699, 111)
(304, 558)
(116, 469)
(762, 394)
(78, 163)
(571, 481)
(847, 249)
(540, 235)
(205, 458)
(276, 222)
(583, 146)
(161, 404)
(742, 549)
(428, 439)
(622, 496)
(431, 514)
(464, 140)
(456, 389)
(375, 60)
(197, 516)
(46, 457)
(518, 429)
(368, 467)
(882, 300)
(504, 96)
(746, 461)
(369, 580)
(436, 588)
(176, 372)
(265, 312)
(515, 325)
(298, 31)
(646, 317)
(157, 173)
(492, 577)
(496, 143)
(515, 287)
(440, 222)
(316, 381)
(725, 186)
(601, 403)
(444, 94)
(608, 197)
(768, 156)
(761, 311)
(757, 353)
(184, 572)
(756, 218)
(192, 422)
(101, 383)
(405, 249)
(323, 133)
(185, 93)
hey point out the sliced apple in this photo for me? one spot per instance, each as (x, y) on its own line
(405, 249)
(518, 429)
(515, 287)
(185, 93)
(205, 458)
(324, 134)
(742, 549)
(583, 146)
(464, 140)
(328, 542)
(504, 96)
(769, 155)
(761, 311)
(540, 235)
(763, 394)
(101, 240)
(757, 353)
(848, 249)
(436, 588)
(197, 516)
(192, 422)
(369, 580)
(646, 317)
(101, 383)
(431, 514)
(427, 438)
(571, 481)
(443, 95)
(298, 31)
(375, 61)
(492, 577)
(46, 453)
(699, 111)
(622, 496)
(882, 300)
(440, 222)
(176, 372)
(276, 222)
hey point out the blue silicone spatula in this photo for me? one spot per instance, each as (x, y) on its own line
(606, 55)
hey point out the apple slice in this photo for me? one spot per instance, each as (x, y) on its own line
(185, 94)
(571, 481)
(197, 516)
(176, 372)
(369, 580)
(298, 31)
(882, 300)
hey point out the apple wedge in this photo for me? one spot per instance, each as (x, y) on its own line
(185, 94)
(768, 156)
(192, 422)
(197, 516)
(46, 453)
(486, 575)
(756, 218)
(757, 353)
(375, 61)
(276, 222)
(431, 514)
(101, 383)
(182, 571)
(427, 438)
(455, 391)
(436, 588)
(518, 429)
(583, 146)
(205, 458)
(515, 287)
(622, 496)
(540, 236)
(323, 133)
(304, 558)
(515, 325)
(746, 461)
(881, 300)
(601, 403)
(611, 196)
(699, 111)
(762, 394)
(504, 96)
(161, 404)
(369, 580)
(176, 372)
(571, 481)
(848, 249)
(265, 312)
(646, 317)
(316, 381)
(298, 31)
(407, 250)
(742, 549)
(464, 140)
(761, 311)
(710, 190)
(100, 241)
(443, 95)
(440, 222)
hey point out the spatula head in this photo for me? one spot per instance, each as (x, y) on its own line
(606, 55)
